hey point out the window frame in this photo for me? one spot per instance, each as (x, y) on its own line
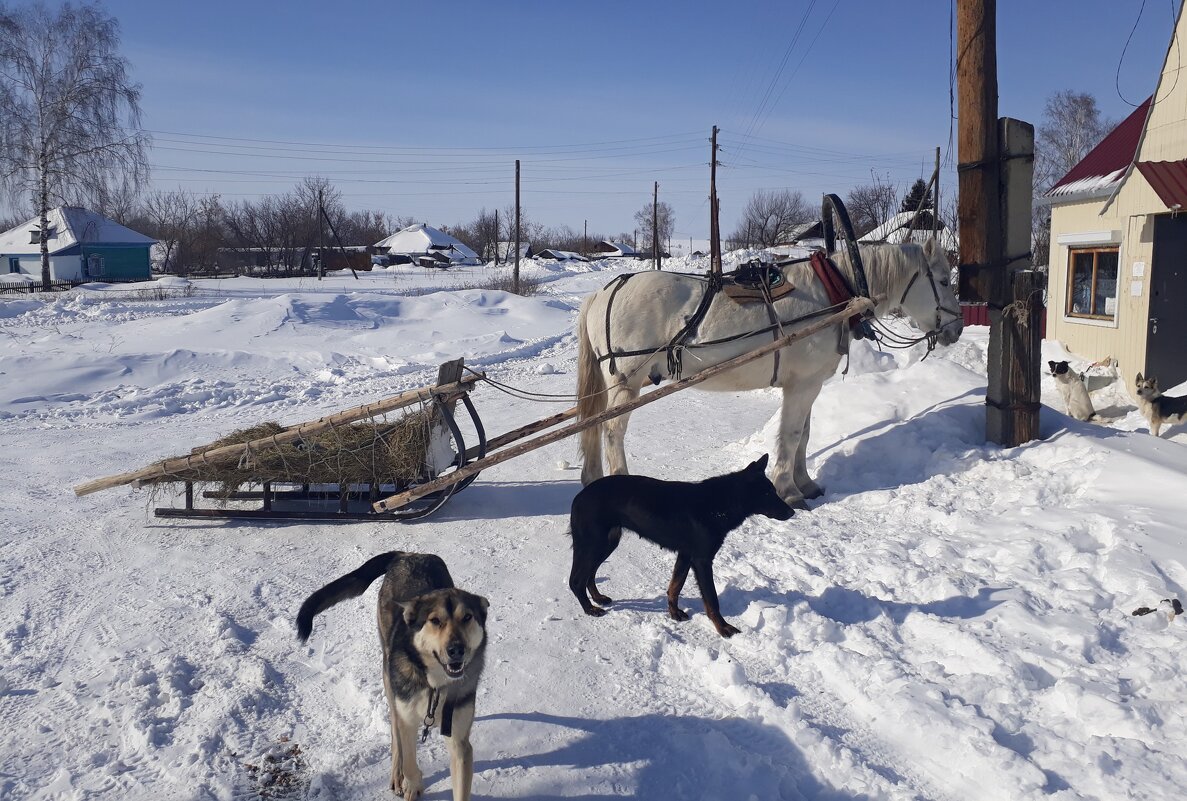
(1095, 250)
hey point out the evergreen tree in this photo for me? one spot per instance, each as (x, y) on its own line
(919, 192)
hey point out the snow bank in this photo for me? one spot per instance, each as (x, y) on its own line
(950, 621)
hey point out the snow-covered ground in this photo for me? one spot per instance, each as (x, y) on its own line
(952, 620)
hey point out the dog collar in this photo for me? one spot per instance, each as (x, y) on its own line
(446, 716)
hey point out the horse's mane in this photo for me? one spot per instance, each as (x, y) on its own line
(886, 265)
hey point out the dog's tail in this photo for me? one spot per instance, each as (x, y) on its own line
(591, 397)
(352, 585)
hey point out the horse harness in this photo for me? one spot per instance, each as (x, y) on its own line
(753, 281)
(939, 304)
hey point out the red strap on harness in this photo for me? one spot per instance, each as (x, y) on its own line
(838, 291)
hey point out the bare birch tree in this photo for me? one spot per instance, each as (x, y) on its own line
(663, 218)
(1072, 125)
(69, 112)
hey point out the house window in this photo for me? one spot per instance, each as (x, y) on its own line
(1092, 283)
(14, 264)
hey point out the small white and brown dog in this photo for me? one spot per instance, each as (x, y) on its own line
(1158, 409)
(1073, 390)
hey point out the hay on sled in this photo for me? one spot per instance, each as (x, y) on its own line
(373, 452)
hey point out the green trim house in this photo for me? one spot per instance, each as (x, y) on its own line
(83, 246)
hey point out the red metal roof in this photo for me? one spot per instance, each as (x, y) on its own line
(1168, 179)
(1115, 152)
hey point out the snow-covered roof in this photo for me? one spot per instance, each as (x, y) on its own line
(70, 225)
(800, 230)
(421, 240)
(895, 231)
(615, 248)
(560, 255)
(1106, 164)
(506, 250)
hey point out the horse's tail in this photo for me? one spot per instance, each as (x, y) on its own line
(591, 397)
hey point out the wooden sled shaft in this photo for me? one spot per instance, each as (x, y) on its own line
(853, 307)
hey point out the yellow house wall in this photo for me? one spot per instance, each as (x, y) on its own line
(1124, 338)
(1131, 211)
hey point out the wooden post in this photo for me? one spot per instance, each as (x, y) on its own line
(515, 273)
(854, 307)
(585, 239)
(655, 227)
(496, 237)
(1012, 413)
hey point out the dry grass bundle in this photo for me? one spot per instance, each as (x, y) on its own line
(371, 452)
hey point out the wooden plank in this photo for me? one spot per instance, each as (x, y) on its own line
(524, 431)
(1013, 358)
(229, 453)
(854, 307)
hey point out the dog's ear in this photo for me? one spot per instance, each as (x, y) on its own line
(760, 464)
(407, 610)
(1153, 382)
(478, 604)
(1138, 380)
(1051, 364)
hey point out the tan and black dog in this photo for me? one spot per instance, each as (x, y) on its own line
(1158, 409)
(434, 639)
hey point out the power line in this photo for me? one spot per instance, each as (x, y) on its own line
(490, 150)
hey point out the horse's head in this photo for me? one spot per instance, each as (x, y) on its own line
(928, 298)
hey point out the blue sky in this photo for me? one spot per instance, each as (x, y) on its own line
(421, 109)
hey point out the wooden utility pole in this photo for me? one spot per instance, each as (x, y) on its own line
(321, 236)
(714, 212)
(496, 237)
(935, 211)
(989, 265)
(585, 239)
(515, 273)
(655, 227)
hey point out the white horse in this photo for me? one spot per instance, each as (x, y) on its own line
(648, 310)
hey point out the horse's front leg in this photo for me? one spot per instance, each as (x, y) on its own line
(790, 473)
(807, 486)
(615, 428)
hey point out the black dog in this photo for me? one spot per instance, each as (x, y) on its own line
(691, 519)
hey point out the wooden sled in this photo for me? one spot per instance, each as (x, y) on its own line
(290, 500)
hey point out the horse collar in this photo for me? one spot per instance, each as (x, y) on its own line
(834, 283)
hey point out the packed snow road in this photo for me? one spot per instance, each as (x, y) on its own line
(951, 621)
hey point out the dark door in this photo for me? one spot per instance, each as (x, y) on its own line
(1166, 342)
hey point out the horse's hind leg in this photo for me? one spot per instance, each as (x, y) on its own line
(615, 428)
